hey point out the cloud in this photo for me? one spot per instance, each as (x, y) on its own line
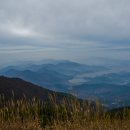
(91, 19)
(64, 24)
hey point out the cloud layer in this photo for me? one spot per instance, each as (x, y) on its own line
(62, 25)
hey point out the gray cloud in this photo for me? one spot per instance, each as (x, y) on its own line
(89, 25)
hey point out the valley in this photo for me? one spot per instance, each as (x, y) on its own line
(110, 84)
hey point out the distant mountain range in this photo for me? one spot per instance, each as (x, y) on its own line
(54, 75)
(111, 85)
(111, 94)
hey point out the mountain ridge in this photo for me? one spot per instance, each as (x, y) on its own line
(20, 88)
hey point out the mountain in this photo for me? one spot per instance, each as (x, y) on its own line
(112, 95)
(15, 88)
(53, 75)
(111, 86)
(47, 78)
(19, 87)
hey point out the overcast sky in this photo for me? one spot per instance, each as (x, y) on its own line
(64, 29)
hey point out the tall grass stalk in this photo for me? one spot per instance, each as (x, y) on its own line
(63, 114)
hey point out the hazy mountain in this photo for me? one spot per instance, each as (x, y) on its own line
(15, 88)
(48, 78)
(20, 87)
(55, 75)
(109, 85)
(111, 94)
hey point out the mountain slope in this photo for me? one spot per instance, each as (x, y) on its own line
(20, 87)
(48, 78)
(15, 88)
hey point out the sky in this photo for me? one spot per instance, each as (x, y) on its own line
(64, 29)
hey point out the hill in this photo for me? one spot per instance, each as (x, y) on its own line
(53, 75)
(19, 87)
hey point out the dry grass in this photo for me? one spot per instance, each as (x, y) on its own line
(67, 115)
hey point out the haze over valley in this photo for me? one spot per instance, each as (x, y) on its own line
(108, 83)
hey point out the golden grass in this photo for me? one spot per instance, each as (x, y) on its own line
(68, 114)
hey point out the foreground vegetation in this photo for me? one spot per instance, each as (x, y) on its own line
(68, 114)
